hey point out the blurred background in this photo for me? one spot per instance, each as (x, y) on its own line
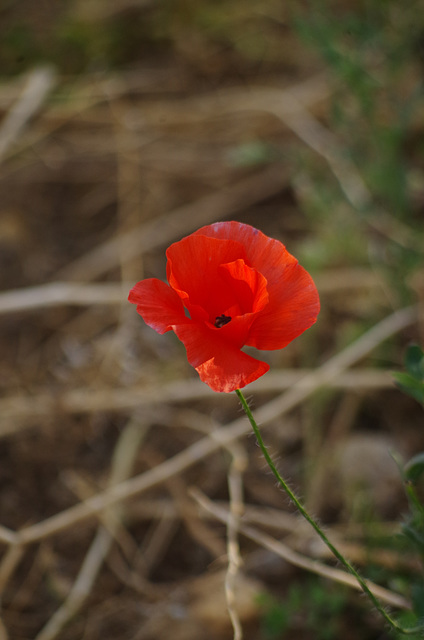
(124, 127)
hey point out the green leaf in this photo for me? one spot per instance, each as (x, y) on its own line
(414, 468)
(414, 362)
(410, 385)
(414, 536)
(417, 593)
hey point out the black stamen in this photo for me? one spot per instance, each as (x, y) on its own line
(221, 320)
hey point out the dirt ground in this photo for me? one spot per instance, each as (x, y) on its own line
(115, 488)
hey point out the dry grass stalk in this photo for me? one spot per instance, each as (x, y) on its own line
(235, 487)
(82, 294)
(122, 462)
(39, 84)
(327, 145)
(17, 410)
(299, 560)
(164, 229)
(61, 293)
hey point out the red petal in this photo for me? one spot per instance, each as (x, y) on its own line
(293, 298)
(158, 304)
(293, 307)
(250, 296)
(218, 363)
(248, 285)
(266, 255)
(193, 272)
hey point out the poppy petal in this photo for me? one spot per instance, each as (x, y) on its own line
(293, 298)
(158, 304)
(266, 255)
(219, 364)
(249, 287)
(293, 307)
(192, 271)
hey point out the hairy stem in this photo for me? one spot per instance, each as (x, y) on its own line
(393, 624)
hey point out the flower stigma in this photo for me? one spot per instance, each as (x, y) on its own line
(221, 320)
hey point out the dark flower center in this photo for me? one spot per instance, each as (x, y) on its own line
(221, 320)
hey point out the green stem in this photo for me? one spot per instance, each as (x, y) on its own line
(413, 498)
(320, 532)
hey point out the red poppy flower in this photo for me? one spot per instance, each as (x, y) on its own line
(229, 286)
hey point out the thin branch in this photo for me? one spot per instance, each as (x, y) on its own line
(61, 293)
(15, 410)
(123, 459)
(354, 187)
(163, 229)
(238, 466)
(115, 293)
(39, 84)
(298, 559)
(235, 487)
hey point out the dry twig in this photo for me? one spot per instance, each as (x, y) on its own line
(125, 452)
(61, 293)
(299, 560)
(235, 487)
(111, 293)
(40, 83)
(17, 410)
(237, 467)
(165, 228)
(326, 144)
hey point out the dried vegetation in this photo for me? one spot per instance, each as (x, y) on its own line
(127, 487)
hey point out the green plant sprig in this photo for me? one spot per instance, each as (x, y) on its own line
(390, 621)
